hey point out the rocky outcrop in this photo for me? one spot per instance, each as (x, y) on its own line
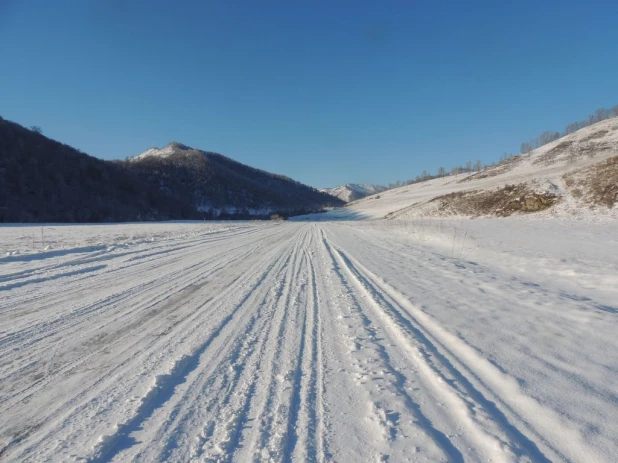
(502, 202)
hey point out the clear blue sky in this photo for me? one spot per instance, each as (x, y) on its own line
(326, 92)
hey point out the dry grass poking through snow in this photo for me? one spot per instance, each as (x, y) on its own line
(596, 185)
(499, 169)
(502, 202)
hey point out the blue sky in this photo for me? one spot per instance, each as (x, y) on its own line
(326, 92)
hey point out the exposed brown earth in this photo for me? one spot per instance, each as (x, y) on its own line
(599, 134)
(553, 153)
(572, 150)
(597, 185)
(502, 202)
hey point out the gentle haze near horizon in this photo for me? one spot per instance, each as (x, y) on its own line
(324, 92)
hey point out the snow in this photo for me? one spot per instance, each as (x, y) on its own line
(352, 191)
(379, 340)
(167, 151)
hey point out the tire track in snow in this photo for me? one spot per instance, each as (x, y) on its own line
(392, 401)
(42, 328)
(150, 307)
(164, 388)
(17, 305)
(291, 435)
(98, 254)
(122, 364)
(247, 353)
(268, 439)
(230, 383)
(228, 410)
(306, 441)
(116, 277)
(440, 349)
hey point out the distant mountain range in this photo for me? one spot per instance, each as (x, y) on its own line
(42, 180)
(353, 191)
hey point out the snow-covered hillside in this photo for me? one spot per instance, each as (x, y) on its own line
(353, 191)
(485, 340)
(576, 175)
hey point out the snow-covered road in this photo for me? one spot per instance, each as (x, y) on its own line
(306, 342)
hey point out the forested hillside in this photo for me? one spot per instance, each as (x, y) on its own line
(220, 186)
(42, 180)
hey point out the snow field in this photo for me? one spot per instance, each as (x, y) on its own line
(351, 341)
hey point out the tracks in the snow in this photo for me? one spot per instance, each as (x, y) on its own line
(492, 416)
(254, 388)
(255, 344)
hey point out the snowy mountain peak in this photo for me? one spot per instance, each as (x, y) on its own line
(168, 150)
(353, 191)
(178, 146)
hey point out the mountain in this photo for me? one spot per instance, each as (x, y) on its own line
(43, 180)
(575, 176)
(353, 191)
(218, 186)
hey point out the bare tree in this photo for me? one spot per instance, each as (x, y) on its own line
(602, 114)
(572, 127)
(548, 137)
(525, 148)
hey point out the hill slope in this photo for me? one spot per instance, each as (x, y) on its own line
(42, 180)
(574, 176)
(219, 186)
